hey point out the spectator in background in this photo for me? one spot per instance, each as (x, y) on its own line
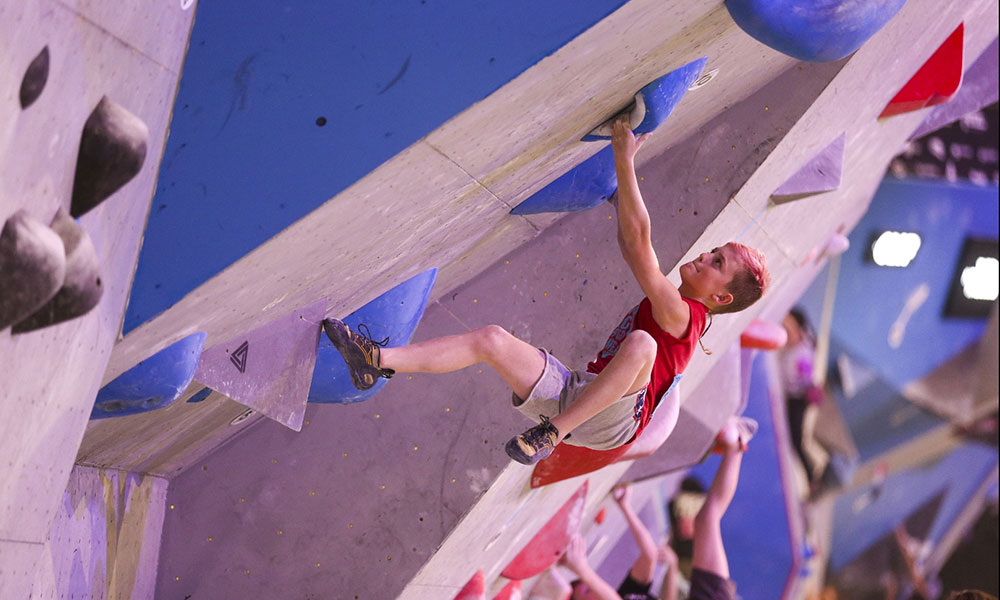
(802, 396)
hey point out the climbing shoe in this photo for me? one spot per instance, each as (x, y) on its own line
(360, 352)
(534, 444)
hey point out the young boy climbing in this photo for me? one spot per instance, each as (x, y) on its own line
(605, 406)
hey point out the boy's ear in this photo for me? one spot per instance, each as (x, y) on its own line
(723, 298)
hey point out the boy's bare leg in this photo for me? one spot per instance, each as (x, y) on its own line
(519, 363)
(709, 553)
(627, 373)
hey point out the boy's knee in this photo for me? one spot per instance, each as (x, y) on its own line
(491, 339)
(640, 344)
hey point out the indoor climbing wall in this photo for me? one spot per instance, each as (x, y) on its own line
(86, 94)
(448, 504)
(296, 186)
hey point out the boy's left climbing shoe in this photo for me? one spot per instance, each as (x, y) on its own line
(360, 352)
(534, 444)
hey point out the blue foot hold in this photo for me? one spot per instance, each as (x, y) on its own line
(153, 383)
(813, 30)
(654, 103)
(588, 185)
(395, 314)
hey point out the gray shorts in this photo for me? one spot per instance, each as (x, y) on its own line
(558, 387)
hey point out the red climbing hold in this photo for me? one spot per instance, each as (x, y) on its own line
(475, 589)
(511, 591)
(543, 550)
(763, 335)
(936, 82)
(568, 461)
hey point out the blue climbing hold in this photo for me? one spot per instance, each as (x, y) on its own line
(394, 315)
(816, 30)
(589, 184)
(654, 103)
(594, 180)
(153, 383)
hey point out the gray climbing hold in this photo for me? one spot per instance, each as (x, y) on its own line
(32, 267)
(81, 289)
(112, 150)
(34, 78)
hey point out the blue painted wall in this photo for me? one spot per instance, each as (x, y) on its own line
(858, 525)
(870, 298)
(246, 156)
(878, 416)
(755, 528)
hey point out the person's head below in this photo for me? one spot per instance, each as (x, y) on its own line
(797, 326)
(726, 280)
(581, 591)
(971, 595)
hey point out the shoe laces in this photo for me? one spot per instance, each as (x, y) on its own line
(366, 334)
(548, 426)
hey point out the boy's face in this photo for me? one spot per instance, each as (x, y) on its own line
(708, 276)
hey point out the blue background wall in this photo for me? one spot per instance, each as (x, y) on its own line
(958, 474)
(870, 298)
(246, 156)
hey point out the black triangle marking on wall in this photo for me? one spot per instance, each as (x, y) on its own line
(239, 357)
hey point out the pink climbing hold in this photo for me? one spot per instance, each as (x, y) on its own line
(549, 544)
(763, 335)
(511, 591)
(475, 589)
(936, 81)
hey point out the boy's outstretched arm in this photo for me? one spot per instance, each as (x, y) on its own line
(642, 569)
(635, 236)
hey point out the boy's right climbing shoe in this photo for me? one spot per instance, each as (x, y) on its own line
(534, 444)
(360, 352)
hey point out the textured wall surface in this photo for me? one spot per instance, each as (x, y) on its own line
(105, 539)
(50, 376)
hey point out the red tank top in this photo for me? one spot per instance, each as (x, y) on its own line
(672, 353)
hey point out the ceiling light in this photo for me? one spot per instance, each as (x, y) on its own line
(895, 248)
(982, 280)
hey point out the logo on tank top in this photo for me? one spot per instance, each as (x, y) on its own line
(620, 333)
(639, 402)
